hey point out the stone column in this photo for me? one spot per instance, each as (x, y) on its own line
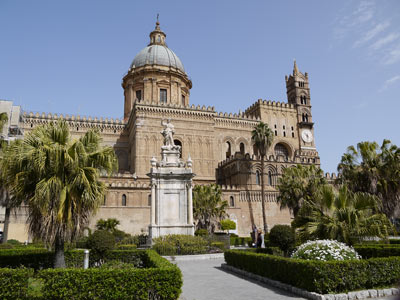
(153, 203)
(190, 204)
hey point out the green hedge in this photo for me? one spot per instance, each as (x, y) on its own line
(161, 280)
(14, 283)
(240, 241)
(394, 242)
(318, 276)
(369, 251)
(37, 258)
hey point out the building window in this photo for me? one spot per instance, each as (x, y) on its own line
(258, 181)
(123, 200)
(183, 100)
(242, 149)
(275, 126)
(284, 133)
(292, 134)
(163, 95)
(104, 200)
(139, 95)
(276, 133)
(149, 200)
(305, 117)
(281, 150)
(269, 178)
(228, 152)
(232, 201)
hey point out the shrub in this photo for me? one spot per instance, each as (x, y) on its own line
(378, 250)
(325, 250)
(234, 235)
(201, 232)
(126, 247)
(81, 243)
(161, 280)
(117, 264)
(219, 245)
(319, 276)
(394, 242)
(120, 235)
(100, 242)
(138, 240)
(282, 236)
(180, 245)
(14, 242)
(37, 258)
(228, 225)
(240, 241)
(269, 250)
(14, 283)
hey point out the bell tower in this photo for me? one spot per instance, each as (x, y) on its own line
(298, 94)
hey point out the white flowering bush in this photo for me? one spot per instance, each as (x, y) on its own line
(325, 250)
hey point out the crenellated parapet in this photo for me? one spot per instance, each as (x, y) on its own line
(172, 110)
(254, 109)
(76, 122)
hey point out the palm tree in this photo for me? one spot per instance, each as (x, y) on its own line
(58, 180)
(108, 224)
(3, 192)
(208, 207)
(375, 170)
(299, 184)
(341, 215)
(262, 137)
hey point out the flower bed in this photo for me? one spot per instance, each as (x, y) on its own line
(155, 278)
(319, 276)
(325, 250)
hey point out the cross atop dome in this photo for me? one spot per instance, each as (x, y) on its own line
(157, 36)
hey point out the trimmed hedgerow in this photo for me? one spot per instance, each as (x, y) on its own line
(318, 276)
(394, 242)
(384, 250)
(240, 241)
(160, 280)
(14, 283)
(37, 258)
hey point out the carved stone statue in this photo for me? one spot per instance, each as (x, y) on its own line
(167, 133)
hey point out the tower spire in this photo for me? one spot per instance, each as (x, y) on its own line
(295, 69)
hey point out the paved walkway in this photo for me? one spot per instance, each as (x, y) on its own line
(205, 280)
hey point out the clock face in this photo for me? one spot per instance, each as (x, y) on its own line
(307, 136)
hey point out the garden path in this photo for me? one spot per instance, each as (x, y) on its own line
(205, 280)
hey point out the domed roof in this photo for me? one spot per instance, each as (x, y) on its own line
(157, 55)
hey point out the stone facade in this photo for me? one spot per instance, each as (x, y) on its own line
(156, 87)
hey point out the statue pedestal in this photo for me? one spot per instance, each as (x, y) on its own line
(171, 195)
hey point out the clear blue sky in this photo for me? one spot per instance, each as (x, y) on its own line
(70, 56)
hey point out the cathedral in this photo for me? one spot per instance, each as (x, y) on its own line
(156, 88)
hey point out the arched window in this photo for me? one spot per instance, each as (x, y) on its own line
(123, 200)
(179, 143)
(228, 149)
(269, 178)
(305, 117)
(242, 149)
(281, 150)
(231, 201)
(258, 181)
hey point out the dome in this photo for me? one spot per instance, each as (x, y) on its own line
(157, 55)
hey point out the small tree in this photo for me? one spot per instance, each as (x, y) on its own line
(208, 207)
(108, 224)
(228, 225)
(282, 236)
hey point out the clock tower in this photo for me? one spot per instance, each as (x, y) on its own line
(298, 94)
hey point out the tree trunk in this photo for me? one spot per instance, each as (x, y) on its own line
(59, 258)
(263, 196)
(6, 225)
